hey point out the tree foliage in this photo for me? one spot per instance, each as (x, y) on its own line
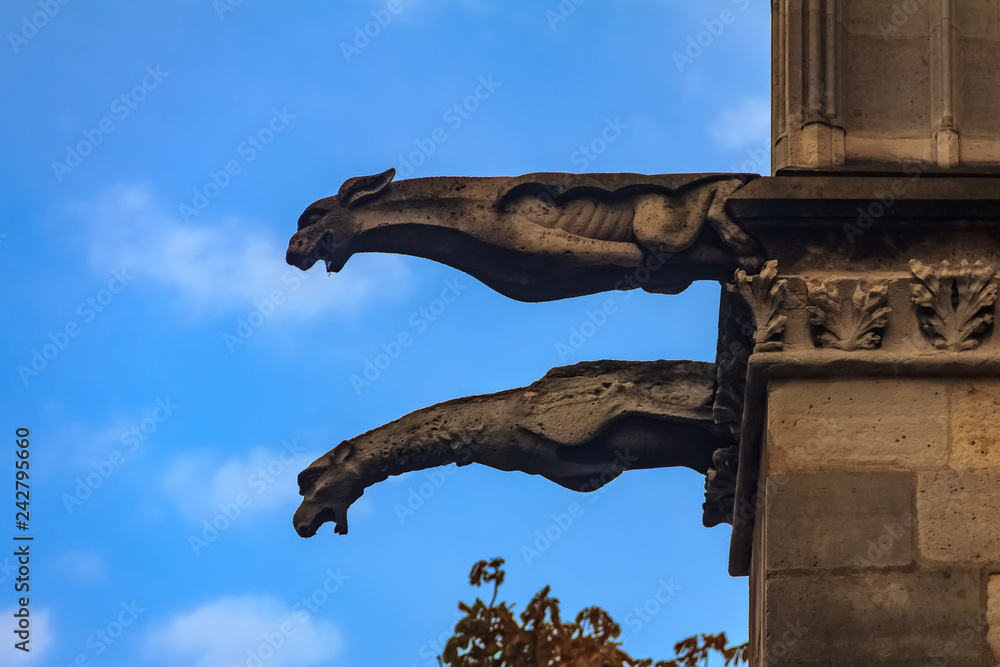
(489, 635)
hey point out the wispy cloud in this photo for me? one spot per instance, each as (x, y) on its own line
(85, 566)
(230, 630)
(198, 483)
(746, 124)
(79, 446)
(226, 267)
(42, 636)
(84, 447)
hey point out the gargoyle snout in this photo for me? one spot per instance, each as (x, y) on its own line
(325, 497)
(310, 516)
(324, 234)
(307, 519)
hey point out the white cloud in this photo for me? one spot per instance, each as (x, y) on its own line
(224, 267)
(42, 637)
(81, 448)
(234, 630)
(198, 483)
(83, 565)
(746, 124)
(84, 450)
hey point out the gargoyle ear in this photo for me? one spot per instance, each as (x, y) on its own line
(342, 452)
(359, 189)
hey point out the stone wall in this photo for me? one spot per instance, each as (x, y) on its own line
(882, 522)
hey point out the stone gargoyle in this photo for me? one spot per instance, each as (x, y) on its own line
(542, 237)
(579, 426)
(539, 237)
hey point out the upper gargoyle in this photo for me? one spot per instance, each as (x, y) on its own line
(579, 426)
(539, 237)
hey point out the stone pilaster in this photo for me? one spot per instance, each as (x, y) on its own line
(868, 500)
(872, 85)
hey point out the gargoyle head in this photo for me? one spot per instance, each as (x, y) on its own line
(328, 487)
(327, 227)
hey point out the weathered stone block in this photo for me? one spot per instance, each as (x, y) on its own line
(844, 423)
(904, 113)
(993, 616)
(958, 516)
(975, 424)
(978, 19)
(980, 91)
(887, 618)
(829, 520)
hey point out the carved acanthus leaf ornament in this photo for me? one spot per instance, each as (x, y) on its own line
(847, 325)
(766, 296)
(954, 305)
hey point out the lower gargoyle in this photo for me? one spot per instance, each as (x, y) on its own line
(579, 426)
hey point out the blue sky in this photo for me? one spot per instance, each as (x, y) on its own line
(156, 157)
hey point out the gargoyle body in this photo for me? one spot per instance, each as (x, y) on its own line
(542, 237)
(579, 426)
(539, 237)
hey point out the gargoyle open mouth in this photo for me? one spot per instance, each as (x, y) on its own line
(309, 528)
